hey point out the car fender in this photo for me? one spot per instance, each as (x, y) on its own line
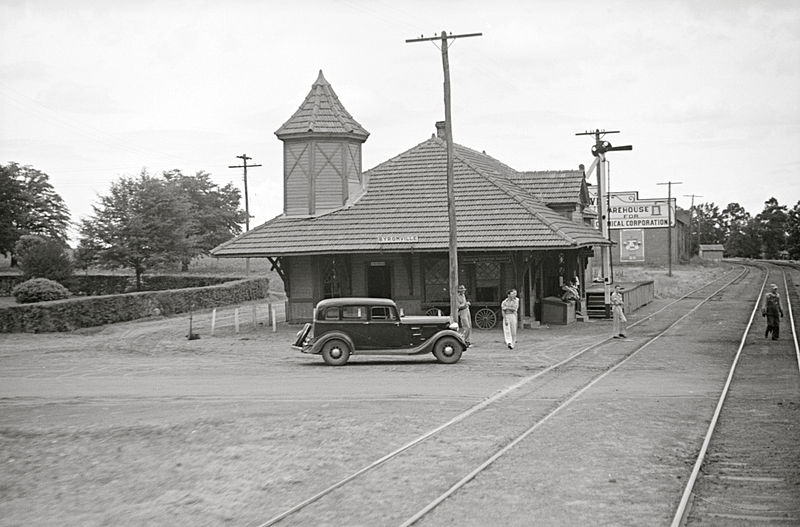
(316, 347)
(445, 333)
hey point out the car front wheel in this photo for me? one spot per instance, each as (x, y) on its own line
(447, 350)
(335, 352)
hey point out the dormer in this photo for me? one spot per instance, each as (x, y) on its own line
(321, 154)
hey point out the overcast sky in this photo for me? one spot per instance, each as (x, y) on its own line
(707, 92)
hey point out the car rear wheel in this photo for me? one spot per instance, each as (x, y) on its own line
(335, 352)
(447, 350)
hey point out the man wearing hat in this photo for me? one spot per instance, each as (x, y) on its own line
(464, 317)
(773, 311)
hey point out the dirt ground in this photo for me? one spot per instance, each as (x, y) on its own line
(133, 424)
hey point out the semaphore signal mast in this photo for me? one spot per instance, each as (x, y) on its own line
(599, 150)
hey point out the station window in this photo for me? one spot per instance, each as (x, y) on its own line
(487, 281)
(437, 277)
(331, 283)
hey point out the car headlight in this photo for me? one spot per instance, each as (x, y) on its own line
(453, 326)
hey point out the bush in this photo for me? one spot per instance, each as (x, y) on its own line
(43, 258)
(39, 290)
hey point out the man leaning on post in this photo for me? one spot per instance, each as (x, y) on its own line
(464, 317)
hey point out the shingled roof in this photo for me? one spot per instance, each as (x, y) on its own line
(321, 113)
(554, 187)
(406, 203)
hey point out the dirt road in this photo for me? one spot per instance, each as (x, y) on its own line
(136, 425)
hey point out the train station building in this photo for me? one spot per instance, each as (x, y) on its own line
(384, 232)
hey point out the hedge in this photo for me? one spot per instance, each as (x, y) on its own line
(81, 312)
(109, 284)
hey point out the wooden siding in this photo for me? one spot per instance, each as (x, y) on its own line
(353, 170)
(299, 311)
(297, 184)
(300, 268)
(400, 279)
(328, 177)
(359, 275)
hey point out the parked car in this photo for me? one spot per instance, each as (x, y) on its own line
(342, 327)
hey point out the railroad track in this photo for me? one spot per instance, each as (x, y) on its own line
(406, 484)
(747, 471)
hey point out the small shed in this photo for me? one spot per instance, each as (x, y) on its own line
(711, 252)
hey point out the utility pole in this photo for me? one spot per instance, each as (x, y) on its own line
(448, 132)
(244, 166)
(669, 222)
(691, 220)
(599, 152)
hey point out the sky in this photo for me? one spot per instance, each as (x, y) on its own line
(708, 93)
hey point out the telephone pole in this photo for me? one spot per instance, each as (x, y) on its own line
(599, 152)
(691, 221)
(448, 132)
(245, 166)
(669, 222)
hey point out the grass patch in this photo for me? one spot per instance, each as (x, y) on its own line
(684, 277)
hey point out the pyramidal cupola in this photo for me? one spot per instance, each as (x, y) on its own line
(321, 154)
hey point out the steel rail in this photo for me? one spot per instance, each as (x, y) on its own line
(682, 510)
(483, 404)
(466, 479)
(791, 320)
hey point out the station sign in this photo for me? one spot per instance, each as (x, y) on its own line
(626, 210)
(394, 238)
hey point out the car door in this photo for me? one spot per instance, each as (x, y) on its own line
(354, 322)
(386, 331)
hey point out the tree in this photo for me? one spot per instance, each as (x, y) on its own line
(142, 224)
(41, 257)
(29, 205)
(709, 224)
(772, 224)
(741, 232)
(793, 230)
(215, 212)
(11, 202)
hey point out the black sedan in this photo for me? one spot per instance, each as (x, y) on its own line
(373, 326)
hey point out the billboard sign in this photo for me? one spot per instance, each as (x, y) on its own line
(626, 210)
(631, 245)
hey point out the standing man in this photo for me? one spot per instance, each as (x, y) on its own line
(510, 307)
(773, 311)
(464, 316)
(620, 321)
